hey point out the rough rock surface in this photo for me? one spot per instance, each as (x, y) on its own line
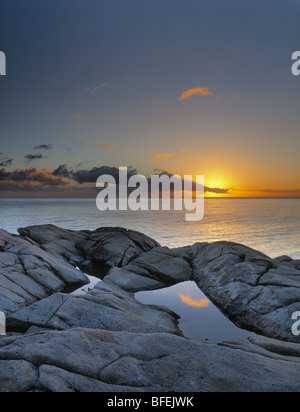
(256, 292)
(116, 246)
(160, 267)
(95, 360)
(113, 246)
(106, 307)
(29, 273)
(107, 341)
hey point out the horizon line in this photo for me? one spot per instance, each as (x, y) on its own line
(205, 197)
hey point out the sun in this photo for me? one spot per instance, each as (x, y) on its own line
(216, 183)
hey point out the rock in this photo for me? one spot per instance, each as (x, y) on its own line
(28, 273)
(17, 376)
(52, 379)
(43, 260)
(116, 246)
(103, 360)
(132, 282)
(158, 268)
(112, 246)
(107, 341)
(57, 241)
(257, 293)
(106, 307)
(288, 261)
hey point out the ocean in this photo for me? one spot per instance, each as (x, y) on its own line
(269, 225)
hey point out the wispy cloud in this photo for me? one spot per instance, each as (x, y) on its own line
(160, 102)
(44, 147)
(31, 157)
(102, 146)
(164, 155)
(196, 91)
(93, 90)
(5, 161)
(81, 115)
(96, 145)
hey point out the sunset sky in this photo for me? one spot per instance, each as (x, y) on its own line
(184, 86)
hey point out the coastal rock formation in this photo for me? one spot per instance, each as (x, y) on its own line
(112, 246)
(29, 273)
(106, 307)
(116, 246)
(88, 360)
(256, 292)
(44, 260)
(160, 267)
(105, 340)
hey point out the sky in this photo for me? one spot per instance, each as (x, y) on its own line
(188, 87)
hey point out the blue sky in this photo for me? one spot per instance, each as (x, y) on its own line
(100, 81)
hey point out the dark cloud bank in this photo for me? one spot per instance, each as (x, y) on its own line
(65, 179)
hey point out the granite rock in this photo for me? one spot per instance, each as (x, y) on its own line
(256, 292)
(106, 307)
(28, 273)
(84, 360)
(158, 268)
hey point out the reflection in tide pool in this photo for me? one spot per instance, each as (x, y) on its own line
(200, 319)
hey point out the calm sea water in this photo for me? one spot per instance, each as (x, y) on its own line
(269, 225)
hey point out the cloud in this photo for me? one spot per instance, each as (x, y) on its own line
(4, 175)
(44, 147)
(81, 164)
(160, 102)
(31, 157)
(196, 91)
(63, 177)
(30, 177)
(96, 146)
(203, 303)
(164, 155)
(5, 161)
(91, 176)
(80, 115)
(62, 171)
(93, 90)
(103, 146)
(216, 190)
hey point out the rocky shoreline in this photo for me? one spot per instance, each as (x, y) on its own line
(107, 341)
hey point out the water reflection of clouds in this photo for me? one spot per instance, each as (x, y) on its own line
(199, 318)
(201, 303)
